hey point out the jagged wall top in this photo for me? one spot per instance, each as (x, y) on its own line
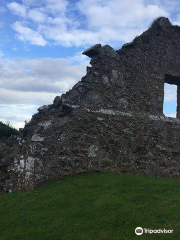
(110, 120)
(132, 78)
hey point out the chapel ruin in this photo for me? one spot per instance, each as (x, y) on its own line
(111, 120)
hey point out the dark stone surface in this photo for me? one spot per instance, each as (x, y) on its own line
(112, 120)
(93, 51)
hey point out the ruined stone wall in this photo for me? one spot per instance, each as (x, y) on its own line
(111, 120)
(102, 140)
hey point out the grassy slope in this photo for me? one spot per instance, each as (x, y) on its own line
(92, 206)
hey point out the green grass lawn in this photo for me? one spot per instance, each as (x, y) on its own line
(92, 206)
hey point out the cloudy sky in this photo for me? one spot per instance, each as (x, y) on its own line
(42, 41)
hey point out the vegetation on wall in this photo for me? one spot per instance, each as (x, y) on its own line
(6, 131)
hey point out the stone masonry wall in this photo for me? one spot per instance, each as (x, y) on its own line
(112, 120)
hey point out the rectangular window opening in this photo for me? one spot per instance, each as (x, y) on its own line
(170, 100)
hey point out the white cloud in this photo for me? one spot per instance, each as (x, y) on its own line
(57, 7)
(41, 75)
(17, 107)
(170, 93)
(26, 84)
(17, 9)
(31, 2)
(27, 34)
(37, 16)
(16, 115)
(123, 20)
(118, 13)
(87, 22)
(10, 97)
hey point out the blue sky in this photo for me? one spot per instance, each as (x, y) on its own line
(42, 41)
